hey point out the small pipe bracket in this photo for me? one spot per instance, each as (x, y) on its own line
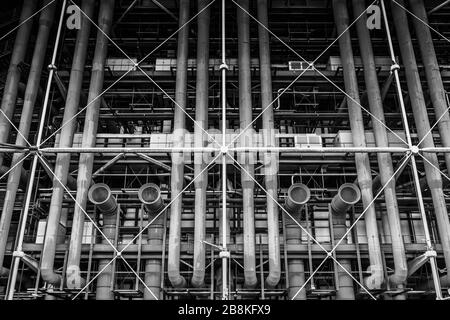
(224, 66)
(19, 254)
(395, 67)
(224, 254)
(52, 67)
(430, 253)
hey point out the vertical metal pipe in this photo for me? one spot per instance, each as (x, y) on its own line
(66, 138)
(29, 191)
(84, 178)
(176, 181)
(417, 183)
(376, 279)
(13, 75)
(433, 74)
(45, 23)
(270, 159)
(201, 117)
(347, 196)
(103, 290)
(224, 255)
(418, 105)
(150, 196)
(386, 168)
(246, 159)
(297, 196)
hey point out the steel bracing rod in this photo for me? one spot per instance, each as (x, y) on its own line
(128, 71)
(310, 65)
(329, 254)
(439, 7)
(395, 69)
(224, 254)
(13, 166)
(137, 65)
(18, 253)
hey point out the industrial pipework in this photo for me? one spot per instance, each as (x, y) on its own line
(201, 117)
(270, 159)
(421, 119)
(347, 196)
(13, 76)
(432, 73)
(385, 165)
(179, 125)
(246, 159)
(37, 63)
(376, 279)
(85, 166)
(101, 196)
(150, 195)
(66, 139)
(297, 196)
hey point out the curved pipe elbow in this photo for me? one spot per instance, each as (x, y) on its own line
(73, 278)
(198, 278)
(51, 277)
(273, 278)
(176, 279)
(399, 277)
(250, 279)
(376, 279)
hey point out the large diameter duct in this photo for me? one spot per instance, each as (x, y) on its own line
(66, 138)
(45, 23)
(84, 178)
(433, 74)
(270, 159)
(419, 109)
(376, 279)
(101, 196)
(179, 126)
(246, 159)
(201, 117)
(13, 76)
(398, 278)
(297, 196)
(347, 196)
(150, 195)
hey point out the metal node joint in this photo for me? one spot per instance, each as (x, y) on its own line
(224, 66)
(414, 150)
(224, 150)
